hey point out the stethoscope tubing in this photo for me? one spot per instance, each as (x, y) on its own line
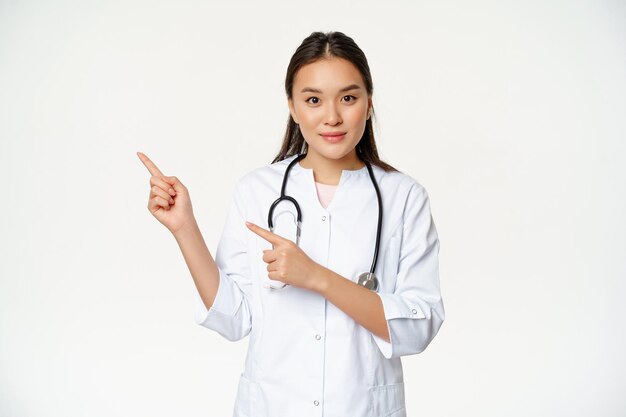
(283, 197)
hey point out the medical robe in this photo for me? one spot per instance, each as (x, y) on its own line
(305, 356)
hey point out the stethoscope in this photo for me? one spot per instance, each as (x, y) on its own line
(366, 279)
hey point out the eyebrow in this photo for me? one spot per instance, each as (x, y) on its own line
(315, 90)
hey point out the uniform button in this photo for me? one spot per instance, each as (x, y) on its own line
(323, 218)
(316, 402)
(414, 311)
(318, 337)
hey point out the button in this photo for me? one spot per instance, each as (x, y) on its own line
(316, 402)
(414, 311)
(323, 218)
(318, 337)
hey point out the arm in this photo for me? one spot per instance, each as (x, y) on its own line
(414, 310)
(406, 321)
(342, 292)
(201, 265)
(223, 284)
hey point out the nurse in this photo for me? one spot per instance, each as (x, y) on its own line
(321, 343)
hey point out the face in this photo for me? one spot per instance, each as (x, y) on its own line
(329, 96)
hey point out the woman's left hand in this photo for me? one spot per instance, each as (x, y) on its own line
(286, 261)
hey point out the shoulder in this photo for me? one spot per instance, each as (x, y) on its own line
(404, 185)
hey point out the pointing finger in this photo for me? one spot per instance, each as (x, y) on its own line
(152, 168)
(274, 239)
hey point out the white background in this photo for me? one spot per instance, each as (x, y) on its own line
(511, 114)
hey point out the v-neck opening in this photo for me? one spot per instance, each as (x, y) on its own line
(313, 188)
(345, 174)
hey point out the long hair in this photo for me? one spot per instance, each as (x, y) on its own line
(316, 46)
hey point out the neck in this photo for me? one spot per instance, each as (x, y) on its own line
(328, 171)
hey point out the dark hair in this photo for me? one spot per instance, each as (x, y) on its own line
(316, 46)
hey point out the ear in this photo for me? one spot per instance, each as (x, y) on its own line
(292, 110)
(369, 107)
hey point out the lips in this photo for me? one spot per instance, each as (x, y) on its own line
(333, 136)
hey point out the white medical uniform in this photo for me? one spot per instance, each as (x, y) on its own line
(306, 357)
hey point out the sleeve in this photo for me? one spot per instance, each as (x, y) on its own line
(414, 311)
(230, 315)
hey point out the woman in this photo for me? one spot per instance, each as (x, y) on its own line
(325, 337)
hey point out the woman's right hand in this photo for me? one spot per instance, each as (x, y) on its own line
(169, 199)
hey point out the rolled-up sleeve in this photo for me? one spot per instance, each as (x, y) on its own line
(230, 315)
(414, 311)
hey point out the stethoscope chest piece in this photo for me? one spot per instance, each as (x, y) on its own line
(368, 280)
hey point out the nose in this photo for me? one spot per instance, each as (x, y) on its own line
(332, 115)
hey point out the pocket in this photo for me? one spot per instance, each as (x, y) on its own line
(388, 400)
(246, 398)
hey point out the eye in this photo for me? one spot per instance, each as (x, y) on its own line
(353, 98)
(307, 100)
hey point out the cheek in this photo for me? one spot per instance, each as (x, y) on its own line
(356, 121)
(356, 115)
(310, 118)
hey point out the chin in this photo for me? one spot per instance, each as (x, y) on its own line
(337, 152)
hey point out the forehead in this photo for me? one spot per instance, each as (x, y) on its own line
(327, 74)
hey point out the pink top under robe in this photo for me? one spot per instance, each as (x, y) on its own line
(325, 193)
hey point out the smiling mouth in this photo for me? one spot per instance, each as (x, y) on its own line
(333, 137)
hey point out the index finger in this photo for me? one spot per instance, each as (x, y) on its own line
(273, 238)
(150, 165)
